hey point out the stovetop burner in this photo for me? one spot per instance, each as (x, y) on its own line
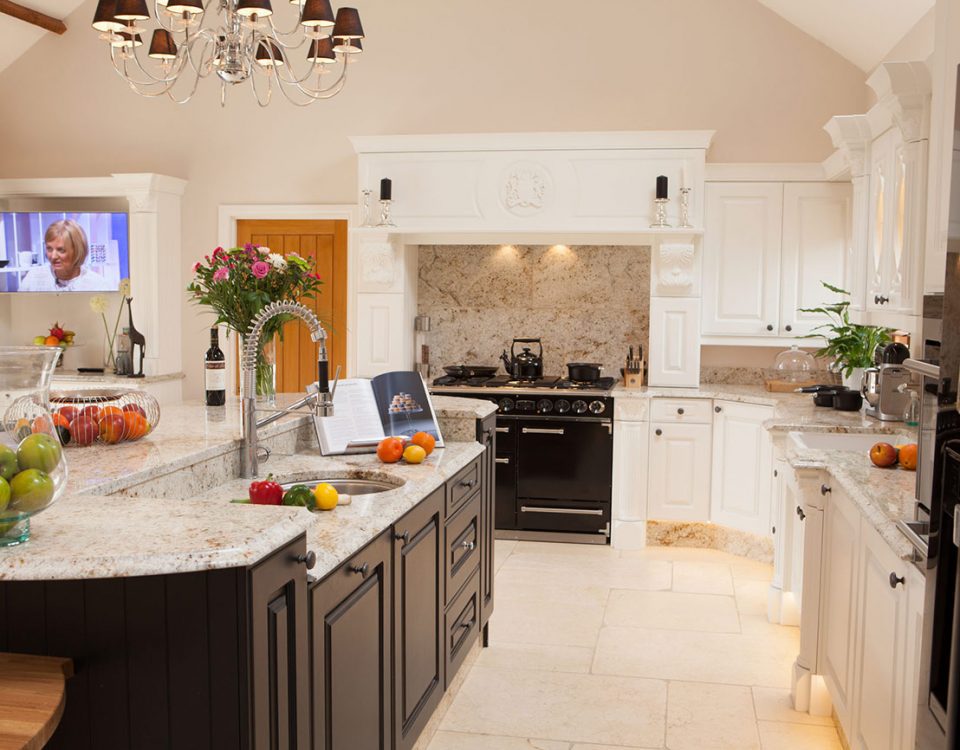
(553, 382)
(600, 384)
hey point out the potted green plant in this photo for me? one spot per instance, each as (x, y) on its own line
(849, 346)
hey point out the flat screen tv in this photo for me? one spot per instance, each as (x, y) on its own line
(63, 251)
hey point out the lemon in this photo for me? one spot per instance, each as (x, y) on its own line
(327, 496)
(414, 454)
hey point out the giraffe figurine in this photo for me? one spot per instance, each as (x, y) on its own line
(136, 340)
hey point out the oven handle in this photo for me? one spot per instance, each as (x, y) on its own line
(502, 460)
(542, 431)
(565, 511)
(541, 418)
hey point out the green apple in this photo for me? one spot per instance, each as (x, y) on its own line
(4, 494)
(39, 340)
(8, 463)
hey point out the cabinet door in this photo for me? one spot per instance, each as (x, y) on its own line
(905, 267)
(816, 248)
(741, 259)
(350, 644)
(778, 489)
(880, 644)
(742, 458)
(882, 210)
(418, 557)
(674, 342)
(910, 700)
(279, 649)
(679, 477)
(841, 534)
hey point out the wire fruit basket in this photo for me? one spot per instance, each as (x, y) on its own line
(87, 417)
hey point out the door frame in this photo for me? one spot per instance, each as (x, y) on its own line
(229, 213)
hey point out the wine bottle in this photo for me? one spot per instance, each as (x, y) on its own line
(215, 372)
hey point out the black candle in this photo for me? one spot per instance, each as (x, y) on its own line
(661, 187)
(386, 189)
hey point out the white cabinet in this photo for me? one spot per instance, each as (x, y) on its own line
(679, 471)
(674, 342)
(767, 248)
(742, 459)
(741, 258)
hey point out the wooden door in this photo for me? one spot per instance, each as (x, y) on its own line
(350, 646)
(325, 242)
(418, 617)
(679, 480)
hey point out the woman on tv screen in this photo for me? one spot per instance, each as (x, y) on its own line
(66, 250)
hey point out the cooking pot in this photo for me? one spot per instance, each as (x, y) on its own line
(824, 396)
(524, 365)
(847, 400)
(584, 372)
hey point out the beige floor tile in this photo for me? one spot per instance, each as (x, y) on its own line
(591, 746)
(560, 706)
(544, 657)
(511, 586)
(672, 611)
(752, 597)
(744, 569)
(693, 554)
(726, 658)
(777, 736)
(585, 571)
(773, 704)
(463, 741)
(598, 551)
(702, 577)
(502, 549)
(545, 621)
(701, 716)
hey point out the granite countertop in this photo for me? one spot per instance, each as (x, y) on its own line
(105, 378)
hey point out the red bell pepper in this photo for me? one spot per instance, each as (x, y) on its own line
(266, 492)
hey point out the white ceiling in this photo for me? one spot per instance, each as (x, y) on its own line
(863, 31)
(16, 36)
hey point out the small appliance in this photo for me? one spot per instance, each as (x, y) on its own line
(885, 387)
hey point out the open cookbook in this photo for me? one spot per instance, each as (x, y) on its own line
(366, 411)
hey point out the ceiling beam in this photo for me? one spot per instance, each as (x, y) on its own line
(35, 17)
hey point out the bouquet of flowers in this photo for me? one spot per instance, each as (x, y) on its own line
(238, 283)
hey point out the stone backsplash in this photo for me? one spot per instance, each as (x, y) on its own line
(588, 303)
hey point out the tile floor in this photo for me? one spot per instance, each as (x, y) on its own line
(594, 649)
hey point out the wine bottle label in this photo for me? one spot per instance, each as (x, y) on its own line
(216, 376)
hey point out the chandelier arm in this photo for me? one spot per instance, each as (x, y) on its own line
(188, 97)
(314, 95)
(140, 87)
(125, 74)
(202, 69)
(256, 93)
(276, 31)
(175, 70)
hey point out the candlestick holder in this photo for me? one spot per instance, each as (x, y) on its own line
(366, 213)
(385, 218)
(685, 209)
(661, 216)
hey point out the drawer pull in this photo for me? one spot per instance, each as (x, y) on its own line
(717, 409)
(361, 569)
(680, 411)
(468, 483)
(503, 429)
(658, 432)
(501, 460)
(404, 537)
(565, 511)
(825, 489)
(309, 559)
(895, 580)
(542, 431)
(800, 513)
(468, 544)
(769, 326)
(468, 624)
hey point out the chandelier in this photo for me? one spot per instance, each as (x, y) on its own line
(237, 40)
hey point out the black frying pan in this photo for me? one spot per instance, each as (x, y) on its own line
(470, 371)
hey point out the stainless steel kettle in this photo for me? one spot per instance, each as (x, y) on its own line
(870, 385)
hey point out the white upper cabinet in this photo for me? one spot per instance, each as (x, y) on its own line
(816, 248)
(767, 248)
(741, 258)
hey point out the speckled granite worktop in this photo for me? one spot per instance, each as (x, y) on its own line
(153, 530)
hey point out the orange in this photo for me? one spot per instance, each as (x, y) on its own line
(390, 449)
(43, 424)
(908, 456)
(59, 420)
(136, 425)
(51, 341)
(425, 440)
(111, 410)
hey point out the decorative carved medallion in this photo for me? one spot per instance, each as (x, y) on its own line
(378, 263)
(526, 189)
(676, 266)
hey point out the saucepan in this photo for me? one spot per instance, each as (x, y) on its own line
(470, 371)
(584, 372)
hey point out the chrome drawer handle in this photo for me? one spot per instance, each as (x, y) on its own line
(542, 431)
(468, 544)
(503, 429)
(501, 460)
(565, 511)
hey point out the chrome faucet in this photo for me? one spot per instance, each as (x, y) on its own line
(319, 393)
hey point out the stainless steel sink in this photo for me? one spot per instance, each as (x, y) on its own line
(349, 485)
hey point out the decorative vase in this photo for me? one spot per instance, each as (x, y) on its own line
(265, 378)
(109, 355)
(854, 380)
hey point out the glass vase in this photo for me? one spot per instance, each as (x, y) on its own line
(265, 379)
(32, 465)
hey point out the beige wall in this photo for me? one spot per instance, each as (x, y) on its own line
(433, 66)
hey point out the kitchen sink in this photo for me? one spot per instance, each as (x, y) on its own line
(839, 441)
(350, 485)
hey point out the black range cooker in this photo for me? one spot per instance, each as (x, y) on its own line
(554, 454)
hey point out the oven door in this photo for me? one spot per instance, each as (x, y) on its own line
(564, 474)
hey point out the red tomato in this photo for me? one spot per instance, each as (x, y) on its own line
(390, 450)
(84, 430)
(112, 428)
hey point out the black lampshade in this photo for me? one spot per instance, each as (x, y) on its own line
(126, 39)
(264, 57)
(131, 10)
(347, 25)
(348, 46)
(254, 7)
(103, 17)
(317, 13)
(162, 46)
(321, 50)
(185, 6)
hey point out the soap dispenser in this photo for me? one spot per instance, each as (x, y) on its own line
(911, 415)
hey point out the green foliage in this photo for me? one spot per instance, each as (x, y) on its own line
(849, 345)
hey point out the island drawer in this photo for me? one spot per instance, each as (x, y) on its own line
(463, 545)
(462, 486)
(462, 627)
(698, 410)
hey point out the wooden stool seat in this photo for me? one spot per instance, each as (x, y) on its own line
(32, 690)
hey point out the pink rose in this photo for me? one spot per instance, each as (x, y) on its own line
(196, 266)
(260, 269)
(221, 274)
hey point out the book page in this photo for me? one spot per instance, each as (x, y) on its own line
(404, 405)
(355, 418)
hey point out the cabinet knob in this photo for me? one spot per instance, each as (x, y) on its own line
(773, 529)
(361, 569)
(789, 328)
(468, 544)
(680, 410)
(769, 326)
(658, 432)
(800, 513)
(825, 490)
(404, 537)
(879, 299)
(895, 580)
(717, 409)
(776, 473)
(468, 483)
(309, 559)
